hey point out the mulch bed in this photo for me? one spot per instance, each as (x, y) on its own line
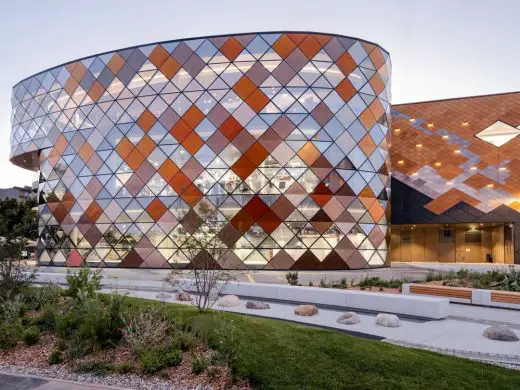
(36, 356)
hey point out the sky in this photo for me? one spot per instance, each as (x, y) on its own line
(439, 48)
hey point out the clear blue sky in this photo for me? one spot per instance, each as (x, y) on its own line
(439, 48)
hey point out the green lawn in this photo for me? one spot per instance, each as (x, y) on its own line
(280, 355)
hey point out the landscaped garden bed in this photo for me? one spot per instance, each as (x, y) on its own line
(501, 280)
(89, 335)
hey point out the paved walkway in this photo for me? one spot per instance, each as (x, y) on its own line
(275, 277)
(10, 381)
(410, 271)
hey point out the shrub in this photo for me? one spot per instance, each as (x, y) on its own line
(13, 308)
(144, 328)
(55, 357)
(84, 280)
(173, 358)
(292, 278)
(510, 281)
(37, 297)
(10, 333)
(123, 368)
(47, 320)
(90, 325)
(31, 335)
(376, 281)
(152, 361)
(183, 340)
(199, 363)
(213, 372)
(94, 368)
(14, 277)
(227, 340)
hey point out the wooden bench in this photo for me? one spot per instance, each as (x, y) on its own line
(452, 293)
(506, 297)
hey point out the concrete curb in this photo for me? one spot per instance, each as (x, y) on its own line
(500, 358)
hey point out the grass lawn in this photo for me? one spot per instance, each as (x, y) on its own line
(275, 354)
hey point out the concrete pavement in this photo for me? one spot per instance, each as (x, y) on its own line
(10, 381)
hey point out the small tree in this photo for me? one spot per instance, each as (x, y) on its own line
(14, 273)
(203, 248)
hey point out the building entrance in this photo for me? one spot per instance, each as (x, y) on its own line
(453, 243)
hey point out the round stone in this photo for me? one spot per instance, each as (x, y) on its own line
(500, 333)
(388, 320)
(228, 301)
(257, 305)
(306, 310)
(349, 318)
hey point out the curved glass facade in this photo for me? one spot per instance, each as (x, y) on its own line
(283, 136)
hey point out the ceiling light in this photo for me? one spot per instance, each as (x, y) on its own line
(473, 168)
(418, 146)
(430, 125)
(490, 185)
(412, 119)
(445, 137)
(438, 164)
(397, 130)
(465, 124)
(400, 162)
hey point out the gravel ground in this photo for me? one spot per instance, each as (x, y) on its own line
(129, 381)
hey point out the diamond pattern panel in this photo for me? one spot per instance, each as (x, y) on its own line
(283, 136)
(459, 150)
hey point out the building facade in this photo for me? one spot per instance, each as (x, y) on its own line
(277, 141)
(19, 193)
(456, 180)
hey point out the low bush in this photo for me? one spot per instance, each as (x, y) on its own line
(376, 281)
(46, 321)
(83, 280)
(10, 333)
(31, 335)
(55, 357)
(123, 368)
(37, 298)
(183, 340)
(152, 361)
(173, 358)
(94, 368)
(145, 327)
(292, 278)
(510, 280)
(12, 308)
(15, 277)
(199, 363)
(91, 325)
